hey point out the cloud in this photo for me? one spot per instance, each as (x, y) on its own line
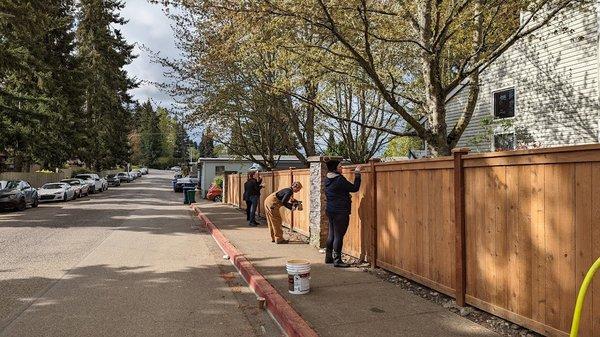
(148, 26)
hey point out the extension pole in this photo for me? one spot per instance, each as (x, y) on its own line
(581, 297)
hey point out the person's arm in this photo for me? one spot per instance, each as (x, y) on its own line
(353, 187)
(286, 199)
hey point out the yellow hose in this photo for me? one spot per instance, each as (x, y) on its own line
(581, 297)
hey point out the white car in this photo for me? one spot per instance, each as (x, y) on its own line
(176, 168)
(96, 183)
(56, 192)
(3, 184)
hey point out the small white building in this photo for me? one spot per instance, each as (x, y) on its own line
(209, 168)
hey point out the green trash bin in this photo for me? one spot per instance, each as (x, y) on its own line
(189, 195)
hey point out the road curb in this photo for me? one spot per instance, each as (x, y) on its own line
(289, 319)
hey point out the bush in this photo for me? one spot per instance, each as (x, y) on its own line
(218, 181)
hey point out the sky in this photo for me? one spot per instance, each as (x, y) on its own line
(148, 26)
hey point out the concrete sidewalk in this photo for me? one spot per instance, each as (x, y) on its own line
(342, 302)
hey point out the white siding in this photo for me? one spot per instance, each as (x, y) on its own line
(555, 76)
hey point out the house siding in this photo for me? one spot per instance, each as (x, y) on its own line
(555, 76)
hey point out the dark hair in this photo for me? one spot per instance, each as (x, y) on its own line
(332, 165)
(251, 175)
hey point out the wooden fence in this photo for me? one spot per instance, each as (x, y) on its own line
(35, 179)
(512, 233)
(273, 182)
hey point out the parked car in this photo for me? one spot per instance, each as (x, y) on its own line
(96, 184)
(3, 184)
(56, 192)
(137, 172)
(185, 182)
(144, 170)
(17, 194)
(80, 186)
(124, 177)
(113, 180)
(176, 168)
(133, 175)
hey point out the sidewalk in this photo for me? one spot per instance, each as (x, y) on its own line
(342, 302)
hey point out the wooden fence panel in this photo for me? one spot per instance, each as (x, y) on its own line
(531, 225)
(267, 182)
(358, 237)
(415, 230)
(301, 218)
(35, 179)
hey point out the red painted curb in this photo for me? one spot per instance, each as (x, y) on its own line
(288, 318)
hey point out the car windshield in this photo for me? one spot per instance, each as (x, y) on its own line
(122, 174)
(83, 176)
(12, 184)
(110, 176)
(52, 186)
(73, 182)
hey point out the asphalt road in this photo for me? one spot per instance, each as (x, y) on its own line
(127, 262)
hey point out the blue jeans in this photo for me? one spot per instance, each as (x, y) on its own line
(252, 205)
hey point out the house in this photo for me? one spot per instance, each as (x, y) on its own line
(209, 168)
(542, 92)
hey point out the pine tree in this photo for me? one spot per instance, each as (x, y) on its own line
(104, 52)
(181, 144)
(206, 148)
(151, 137)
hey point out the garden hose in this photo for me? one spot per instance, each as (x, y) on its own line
(581, 297)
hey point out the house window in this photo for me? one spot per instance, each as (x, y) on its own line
(219, 170)
(504, 142)
(504, 103)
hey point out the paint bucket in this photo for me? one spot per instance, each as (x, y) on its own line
(298, 276)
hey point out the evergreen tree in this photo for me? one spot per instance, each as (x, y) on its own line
(181, 144)
(206, 148)
(151, 137)
(104, 52)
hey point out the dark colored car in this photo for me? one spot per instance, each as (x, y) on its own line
(124, 177)
(113, 180)
(17, 194)
(185, 182)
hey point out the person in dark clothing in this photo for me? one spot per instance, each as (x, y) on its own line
(252, 188)
(282, 198)
(339, 205)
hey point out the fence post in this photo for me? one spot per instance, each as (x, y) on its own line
(373, 243)
(240, 199)
(225, 188)
(291, 212)
(460, 225)
(317, 213)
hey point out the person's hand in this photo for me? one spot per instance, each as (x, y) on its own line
(357, 169)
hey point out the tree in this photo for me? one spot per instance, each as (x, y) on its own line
(104, 52)
(181, 144)
(400, 146)
(151, 137)
(414, 53)
(206, 148)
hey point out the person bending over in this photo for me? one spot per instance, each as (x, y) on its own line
(339, 203)
(273, 204)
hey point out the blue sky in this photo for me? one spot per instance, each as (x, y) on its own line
(148, 26)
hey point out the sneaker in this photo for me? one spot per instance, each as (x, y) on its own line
(251, 224)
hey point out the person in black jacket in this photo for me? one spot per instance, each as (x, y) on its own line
(337, 192)
(252, 188)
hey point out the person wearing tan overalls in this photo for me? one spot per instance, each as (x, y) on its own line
(273, 204)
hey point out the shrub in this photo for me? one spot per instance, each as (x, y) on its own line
(218, 181)
(80, 171)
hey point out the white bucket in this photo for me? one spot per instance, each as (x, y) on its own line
(298, 276)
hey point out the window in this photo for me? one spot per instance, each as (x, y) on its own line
(504, 103)
(219, 170)
(504, 142)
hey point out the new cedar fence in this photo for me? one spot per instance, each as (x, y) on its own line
(275, 181)
(512, 233)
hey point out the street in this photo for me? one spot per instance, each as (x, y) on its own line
(127, 262)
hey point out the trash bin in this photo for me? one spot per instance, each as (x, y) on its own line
(189, 194)
(174, 181)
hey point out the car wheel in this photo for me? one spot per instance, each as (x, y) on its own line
(93, 190)
(36, 202)
(22, 205)
(65, 197)
(218, 199)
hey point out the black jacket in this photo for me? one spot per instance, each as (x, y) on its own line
(252, 187)
(337, 192)
(284, 197)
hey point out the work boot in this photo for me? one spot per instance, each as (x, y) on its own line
(282, 242)
(328, 256)
(252, 224)
(337, 261)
